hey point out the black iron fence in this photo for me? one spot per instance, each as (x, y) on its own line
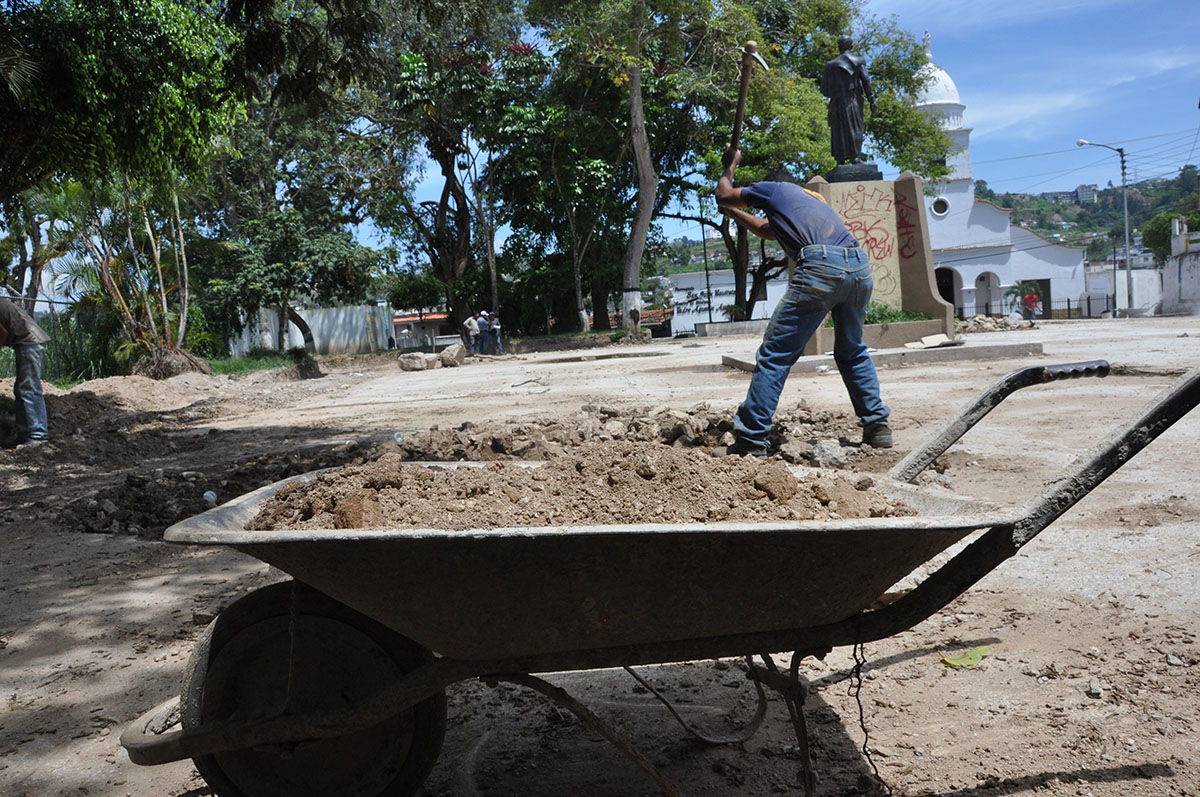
(1090, 307)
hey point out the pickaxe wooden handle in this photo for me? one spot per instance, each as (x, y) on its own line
(749, 56)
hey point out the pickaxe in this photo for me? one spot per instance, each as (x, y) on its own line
(749, 56)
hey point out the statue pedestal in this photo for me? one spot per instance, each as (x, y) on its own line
(854, 172)
(888, 219)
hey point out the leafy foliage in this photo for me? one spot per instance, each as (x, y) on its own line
(1156, 234)
(416, 290)
(123, 86)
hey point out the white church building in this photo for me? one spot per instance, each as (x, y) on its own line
(977, 253)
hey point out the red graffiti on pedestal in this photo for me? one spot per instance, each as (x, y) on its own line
(866, 213)
(906, 226)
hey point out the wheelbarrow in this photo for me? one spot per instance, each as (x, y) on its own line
(334, 683)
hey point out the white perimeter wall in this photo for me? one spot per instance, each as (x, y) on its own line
(336, 330)
(1181, 284)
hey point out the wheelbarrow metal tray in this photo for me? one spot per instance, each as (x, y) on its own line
(489, 594)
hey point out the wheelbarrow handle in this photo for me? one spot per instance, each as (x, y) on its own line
(1052, 373)
(923, 456)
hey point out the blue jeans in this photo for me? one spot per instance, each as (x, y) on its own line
(27, 390)
(828, 280)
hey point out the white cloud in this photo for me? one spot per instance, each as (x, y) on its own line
(1024, 115)
(1019, 111)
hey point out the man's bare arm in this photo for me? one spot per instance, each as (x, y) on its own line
(729, 199)
(727, 195)
(755, 224)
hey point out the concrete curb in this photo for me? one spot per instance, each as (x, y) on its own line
(902, 357)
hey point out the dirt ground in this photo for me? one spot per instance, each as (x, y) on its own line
(1089, 686)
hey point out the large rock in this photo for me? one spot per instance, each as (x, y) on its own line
(413, 361)
(828, 454)
(453, 355)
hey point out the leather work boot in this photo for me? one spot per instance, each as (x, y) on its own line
(741, 447)
(877, 435)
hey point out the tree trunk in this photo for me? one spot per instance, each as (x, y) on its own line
(162, 288)
(601, 321)
(737, 245)
(631, 290)
(137, 279)
(264, 329)
(281, 335)
(181, 265)
(310, 345)
(585, 324)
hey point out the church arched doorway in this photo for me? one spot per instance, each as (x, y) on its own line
(988, 298)
(949, 286)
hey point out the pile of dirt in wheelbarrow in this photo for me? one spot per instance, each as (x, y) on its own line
(605, 483)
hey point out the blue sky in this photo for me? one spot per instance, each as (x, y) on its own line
(1036, 76)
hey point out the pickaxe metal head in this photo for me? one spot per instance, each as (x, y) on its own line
(751, 51)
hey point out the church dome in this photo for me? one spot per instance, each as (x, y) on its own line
(939, 90)
(939, 98)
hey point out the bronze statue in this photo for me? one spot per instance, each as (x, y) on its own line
(845, 83)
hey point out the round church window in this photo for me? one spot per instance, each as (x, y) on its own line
(941, 206)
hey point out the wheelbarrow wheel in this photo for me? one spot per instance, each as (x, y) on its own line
(240, 670)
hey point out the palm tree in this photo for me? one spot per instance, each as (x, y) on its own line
(17, 71)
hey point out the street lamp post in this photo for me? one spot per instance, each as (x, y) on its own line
(1128, 253)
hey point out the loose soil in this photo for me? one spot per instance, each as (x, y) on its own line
(603, 484)
(1089, 686)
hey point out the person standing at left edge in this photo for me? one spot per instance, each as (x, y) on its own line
(28, 342)
(833, 276)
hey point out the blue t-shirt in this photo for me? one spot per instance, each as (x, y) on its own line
(797, 218)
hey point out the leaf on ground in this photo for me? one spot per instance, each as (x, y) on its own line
(968, 659)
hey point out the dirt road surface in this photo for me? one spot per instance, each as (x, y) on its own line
(1089, 687)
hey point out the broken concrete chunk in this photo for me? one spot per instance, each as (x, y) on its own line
(413, 361)
(453, 355)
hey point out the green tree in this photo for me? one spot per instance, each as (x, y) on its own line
(983, 192)
(453, 77)
(1156, 233)
(130, 86)
(124, 253)
(624, 41)
(284, 260)
(416, 290)
(567, 184)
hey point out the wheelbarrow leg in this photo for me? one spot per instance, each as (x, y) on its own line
(564, 699)
(794, 691)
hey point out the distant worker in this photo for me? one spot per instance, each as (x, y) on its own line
(497, 346)
(471, 325)
(845, 83)
(1029, 305)
(28, 342)
(485, 332)
(833, 276)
